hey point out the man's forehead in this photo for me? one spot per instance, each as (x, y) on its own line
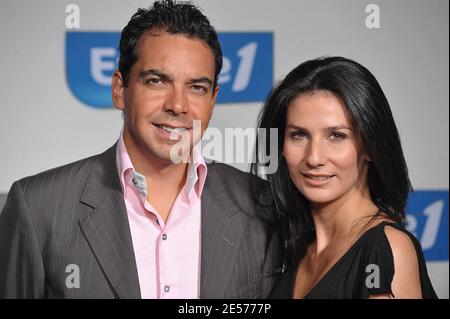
(155, 37)
(174, 54)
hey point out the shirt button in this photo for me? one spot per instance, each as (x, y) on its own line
(166, 288)
(164, 237)
(134, 180)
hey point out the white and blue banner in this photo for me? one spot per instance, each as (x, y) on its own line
(427, 219)
(247, 73)
(57, 59)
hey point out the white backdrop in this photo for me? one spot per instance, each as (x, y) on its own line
(42, 125)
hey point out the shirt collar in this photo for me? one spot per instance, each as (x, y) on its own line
(197, 171)
(123, 161)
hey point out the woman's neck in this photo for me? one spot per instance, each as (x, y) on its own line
(343, 217)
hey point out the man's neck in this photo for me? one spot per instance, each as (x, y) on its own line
(164, 179)
(157, 171)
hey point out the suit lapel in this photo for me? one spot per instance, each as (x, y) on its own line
(106, 228)
(221, 233)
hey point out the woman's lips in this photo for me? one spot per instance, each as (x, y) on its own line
(317, 180)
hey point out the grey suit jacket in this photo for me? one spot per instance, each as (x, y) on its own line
(76, 215)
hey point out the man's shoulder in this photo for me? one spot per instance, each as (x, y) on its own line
(221, 168)
(70, 175)
(237, 185)
(231, 176)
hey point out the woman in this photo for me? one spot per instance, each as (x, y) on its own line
(340, 189)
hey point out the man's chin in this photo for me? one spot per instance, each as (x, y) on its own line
(174, 154)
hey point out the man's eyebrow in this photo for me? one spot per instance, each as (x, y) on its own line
(164, 76)
(202, 79)
(158, 73)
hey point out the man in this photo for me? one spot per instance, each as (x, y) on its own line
(132, 222)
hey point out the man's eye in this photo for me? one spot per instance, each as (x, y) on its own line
(153, 81)
(199, 89)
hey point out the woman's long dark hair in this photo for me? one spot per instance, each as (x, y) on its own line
(279, 202)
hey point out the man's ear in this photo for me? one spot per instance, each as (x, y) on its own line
(216, 93)
(214, 97)
(118, 91)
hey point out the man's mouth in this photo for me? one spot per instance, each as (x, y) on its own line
(172, 129)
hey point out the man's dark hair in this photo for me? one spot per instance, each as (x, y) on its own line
(174, 18)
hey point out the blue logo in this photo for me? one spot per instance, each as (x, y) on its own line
(427, 219)
(91, 59)
(247, 73)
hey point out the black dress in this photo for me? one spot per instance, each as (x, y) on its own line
(347, 278)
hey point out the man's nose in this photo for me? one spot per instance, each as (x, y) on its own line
(176, 102)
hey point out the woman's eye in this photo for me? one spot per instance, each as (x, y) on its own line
(298, 135)
(337, 136)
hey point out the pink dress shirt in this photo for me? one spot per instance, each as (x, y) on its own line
(167, 255)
